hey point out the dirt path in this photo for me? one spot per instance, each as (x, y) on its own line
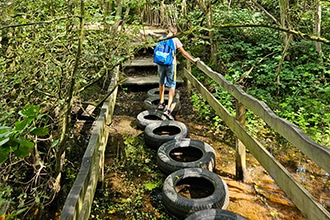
(258, 198)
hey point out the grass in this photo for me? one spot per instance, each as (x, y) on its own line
(133, 182)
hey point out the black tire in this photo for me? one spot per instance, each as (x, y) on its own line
(207, 190)
(149, 116)
(215, 214)
(152, 103)
(155, 92)
(185, 153)
(159, 132)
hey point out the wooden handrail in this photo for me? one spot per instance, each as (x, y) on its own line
(297, 193)
(319, 154)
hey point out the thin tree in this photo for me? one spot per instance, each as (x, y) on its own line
(317, 25)
(206, 7)
(287, 37)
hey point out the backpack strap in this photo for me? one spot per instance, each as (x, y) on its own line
(174, 57)
(172, 44)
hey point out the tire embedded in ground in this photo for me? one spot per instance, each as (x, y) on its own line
(155, 92)
(189, 190)
(215, 214)
(149, 116)
(159, 132)
(185, 153)
(152, 103)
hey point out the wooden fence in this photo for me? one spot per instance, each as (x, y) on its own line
(79, 200)
(319, 154)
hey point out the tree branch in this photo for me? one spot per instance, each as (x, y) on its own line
(36, 23)
(266, 12)
(246, 74)
(287, 30)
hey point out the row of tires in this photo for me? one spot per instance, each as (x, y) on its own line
(191, 190)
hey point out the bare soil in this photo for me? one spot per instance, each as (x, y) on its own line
(257, 198)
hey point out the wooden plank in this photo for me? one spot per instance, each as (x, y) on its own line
(154, 32)
(91, 181)
(140, 62)
(104, 119)
(80, 198)
(146, 80)
(240, 148)
(88, 111)
(319, 154)
(298, 194)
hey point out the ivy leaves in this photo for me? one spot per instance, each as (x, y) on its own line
(20, 138)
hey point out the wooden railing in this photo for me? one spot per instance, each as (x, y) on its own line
(79, 200)
(319, 154)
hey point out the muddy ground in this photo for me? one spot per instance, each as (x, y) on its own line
(257, 198)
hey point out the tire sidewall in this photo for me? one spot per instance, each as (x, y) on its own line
(154, 140)
(214, 214)
(181, 206)
(168, 165)
(142, 122)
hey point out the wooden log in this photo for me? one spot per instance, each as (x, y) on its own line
(240, 148)
(189, 87)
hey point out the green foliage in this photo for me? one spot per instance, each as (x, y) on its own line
(202, 107)
(6, 201)
(5, 193)
(134, 152)
(140, 184)
(205, 112)
(38, 52)
(19, 138)
(252, 56)
(36, 62)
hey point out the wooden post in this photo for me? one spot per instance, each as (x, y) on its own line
(240, 148)
(189, 86)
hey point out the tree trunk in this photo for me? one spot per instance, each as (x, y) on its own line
(284, 9)
(206, 7)
(119, 13)
(285, 22)
(125, 16)
(317, 25)
(147, 14)
(184, 8)
(66, 111)
(279, 68)
(213, 43)
(107, 12)
(162, 18)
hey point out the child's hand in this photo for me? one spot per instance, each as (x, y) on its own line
(196, 59)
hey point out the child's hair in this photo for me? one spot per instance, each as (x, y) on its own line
(172, 29)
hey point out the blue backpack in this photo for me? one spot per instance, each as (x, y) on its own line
(164, 52)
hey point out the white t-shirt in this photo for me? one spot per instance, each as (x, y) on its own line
(177, 43)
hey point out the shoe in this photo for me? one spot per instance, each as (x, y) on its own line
(168, 113)
(161, 106)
